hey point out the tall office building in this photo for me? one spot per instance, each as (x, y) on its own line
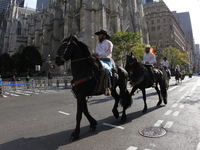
(146, 1)
(41, 4)
(4, 4)
(185, 23)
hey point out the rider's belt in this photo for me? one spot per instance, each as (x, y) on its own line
(105, 59)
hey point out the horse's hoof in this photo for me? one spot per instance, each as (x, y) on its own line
(158, 104)
(74, 138)
(144, 110)
(123, 121)
(116, 114)
(92, 128)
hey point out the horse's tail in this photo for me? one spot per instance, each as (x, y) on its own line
(126, 99)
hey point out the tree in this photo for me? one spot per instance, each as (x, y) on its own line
(124, 43)
(5, 64)
(175, 56)
(30, 57)
(15, 62)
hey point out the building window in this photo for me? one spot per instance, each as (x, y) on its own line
(152, 28)
(164, 20)
(19, 28)
(152, 21)
(165, 27)
(158, 28)
(171, 27)
(160, 36)
(158, 21)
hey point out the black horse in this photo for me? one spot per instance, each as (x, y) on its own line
(139, 79)
(178, 77)
(85, 81)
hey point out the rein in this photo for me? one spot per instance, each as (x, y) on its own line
(79, 59)
(80, 81)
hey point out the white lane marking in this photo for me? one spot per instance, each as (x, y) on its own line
(181, 106)
(158, 123)
(175, 104)
(198, 146)
(168, 112)
(4, 95)
(168, 124)
(176, 113)
(11, 94)
(120, 127)
(183, 88)
(147, 149)
(64, 113)
(172, 88)
(132, 148)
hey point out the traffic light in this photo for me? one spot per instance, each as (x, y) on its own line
(52, 66)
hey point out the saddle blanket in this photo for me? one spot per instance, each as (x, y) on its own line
(107, 65)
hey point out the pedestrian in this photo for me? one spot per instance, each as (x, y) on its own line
(1, 90)
(148, 60)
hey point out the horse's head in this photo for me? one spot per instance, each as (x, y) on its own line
(61, 54)
(71, 48)
(130, 59)
(130, 62)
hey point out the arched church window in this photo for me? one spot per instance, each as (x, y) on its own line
(19, 28)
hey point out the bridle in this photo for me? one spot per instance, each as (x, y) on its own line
(62, 56)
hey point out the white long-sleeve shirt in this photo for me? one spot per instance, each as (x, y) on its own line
(165, 63)
(150, 58)
(104, 49)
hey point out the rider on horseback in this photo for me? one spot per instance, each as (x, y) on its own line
(178, 69)
(104, 52)
(148, 61)
(165, 64)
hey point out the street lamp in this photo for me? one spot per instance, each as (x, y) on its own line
(49, 65)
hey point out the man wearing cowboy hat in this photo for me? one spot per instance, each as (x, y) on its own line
(104, 51)
(148, 60)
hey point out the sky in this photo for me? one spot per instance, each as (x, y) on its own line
(30, 3)
(191, 6)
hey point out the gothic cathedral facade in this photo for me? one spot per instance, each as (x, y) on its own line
(46, 28)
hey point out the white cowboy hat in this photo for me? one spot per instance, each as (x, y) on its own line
(147, 46)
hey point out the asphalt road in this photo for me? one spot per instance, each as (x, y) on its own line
(46, 121)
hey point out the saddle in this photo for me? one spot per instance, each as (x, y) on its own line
(102, 76)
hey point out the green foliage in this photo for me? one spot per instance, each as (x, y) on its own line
(5, 63)
(15, 62)
(30, 57)
(124, 43)
(175, 56)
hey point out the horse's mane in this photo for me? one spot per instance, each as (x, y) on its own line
(82, 45)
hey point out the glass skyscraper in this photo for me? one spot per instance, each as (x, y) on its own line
(4, 4)
(146, 1)
(41, 4)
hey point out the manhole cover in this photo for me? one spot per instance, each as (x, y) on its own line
(152, 132)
